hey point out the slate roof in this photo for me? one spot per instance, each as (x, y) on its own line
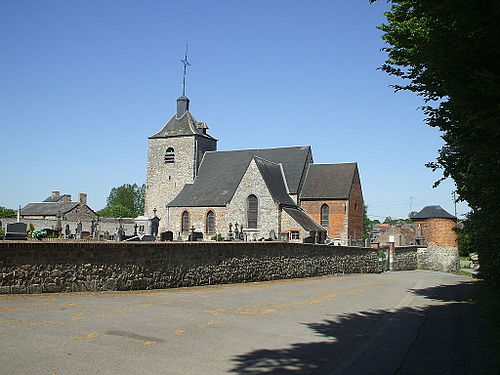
(47, 208)
(433, 212)
(303, 219)
(185, 125)
(329, 181)
(220, 173)
(57, 198)
(275, 181)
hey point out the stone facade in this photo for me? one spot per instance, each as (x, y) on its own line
(45, 267)
(167, 176)
(439, 258)
(289, 225)
(198, 219)
(165, 180)
(268, 212)
(81, 213)
(405, 258)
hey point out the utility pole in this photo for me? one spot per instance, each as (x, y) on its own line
(454, 201)
(411, 201)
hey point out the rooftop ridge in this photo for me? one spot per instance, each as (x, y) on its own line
(259, 149)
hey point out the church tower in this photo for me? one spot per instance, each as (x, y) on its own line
(174, 155)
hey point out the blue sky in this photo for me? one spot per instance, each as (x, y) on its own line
(84, 83)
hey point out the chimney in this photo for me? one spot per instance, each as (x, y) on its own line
(55, 193)
(83, 199)
(182, 106)
(66, 198)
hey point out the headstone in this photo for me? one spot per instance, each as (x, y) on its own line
(16, 231)
(195, 236)
(167, 236)
(155, 223)
(67, 231)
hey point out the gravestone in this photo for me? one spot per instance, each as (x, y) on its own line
(155, 223)
(195, 236)
(167, 236)
(16, 231)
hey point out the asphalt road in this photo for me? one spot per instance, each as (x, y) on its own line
(414, 322)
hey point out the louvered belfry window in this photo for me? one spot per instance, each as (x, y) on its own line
(252, 211)
(210, 227)
(185, 222)
(169, 155)
(325, 215)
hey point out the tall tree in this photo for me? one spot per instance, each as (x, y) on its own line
(447, 52)
(7, 212)
(125, 201)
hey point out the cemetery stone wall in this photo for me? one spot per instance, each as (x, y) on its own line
(40, 267)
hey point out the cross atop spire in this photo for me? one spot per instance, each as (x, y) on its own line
(186, 63)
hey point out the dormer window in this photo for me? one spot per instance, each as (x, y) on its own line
(169, 155)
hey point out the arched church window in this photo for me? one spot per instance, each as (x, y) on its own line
(210, 225)
(325, 215)
(252, 211)
(169, 155)
(185, 222)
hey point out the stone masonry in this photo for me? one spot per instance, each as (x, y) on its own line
(166, 180)
(44, 267)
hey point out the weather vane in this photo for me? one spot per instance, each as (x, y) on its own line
(186, 63)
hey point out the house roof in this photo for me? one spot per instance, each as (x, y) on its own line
(220, 173)
(329, 181)
(184, 125)
(433, 212)
(303, 219)
(273, 175)
(57, 198)
(48, 208)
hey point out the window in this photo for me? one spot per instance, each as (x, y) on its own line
(294, 235)
(210, 225)
(252, 211)
(355, 206)
(141, 228)
(325, 215)
(169, 155)
(185, 222)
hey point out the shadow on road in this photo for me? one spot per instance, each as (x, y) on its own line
(441, 338)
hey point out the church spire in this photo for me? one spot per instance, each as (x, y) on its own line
(186, 63)
(183, 101)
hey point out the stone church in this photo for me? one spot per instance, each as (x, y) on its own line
(277, 193)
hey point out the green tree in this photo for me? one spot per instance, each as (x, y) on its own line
(124, 201)
(7, 212)
(367, 223)
(447, 52)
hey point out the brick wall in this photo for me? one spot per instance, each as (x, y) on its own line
(438, 232)
(39, 267)
(355, 212)
(338, 222)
